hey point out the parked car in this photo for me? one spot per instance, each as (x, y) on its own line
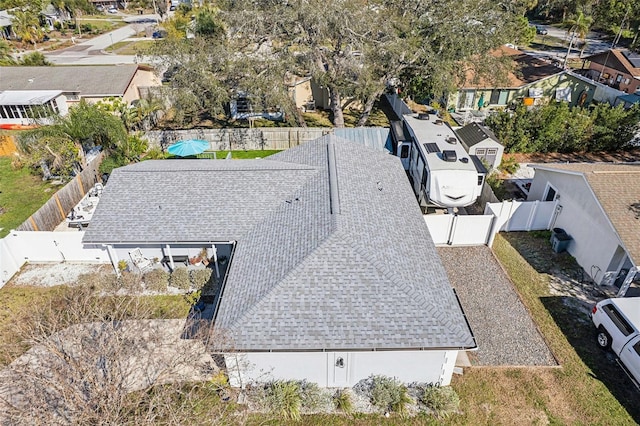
(100, 8)
(618, 321)
(541, 30)
(112, 9)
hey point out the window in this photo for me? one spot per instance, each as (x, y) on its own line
(480, 180)
(404, 152)
(637, 348)
(618, 78)
(492, 151)
(480, 152)
(551, 193)
(617, 318)
(425, 174)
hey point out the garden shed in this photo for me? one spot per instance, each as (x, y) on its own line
(480, 141)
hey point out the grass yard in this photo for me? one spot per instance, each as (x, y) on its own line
(589, 388)
(21, 194)
(130, 47)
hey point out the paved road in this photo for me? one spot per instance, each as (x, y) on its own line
(91, 52)
(596, 43)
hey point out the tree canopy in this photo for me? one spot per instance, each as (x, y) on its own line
(556, 127)
(352, 48)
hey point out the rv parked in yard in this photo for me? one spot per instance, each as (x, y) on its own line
(441, 171)
(618, 321)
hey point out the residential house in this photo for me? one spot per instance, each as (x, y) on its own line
(480, 141)
(599, 207)
(27, 107)
(91, 83)
(6, 22)
(531, 79)
(618, 68)
(332, 275)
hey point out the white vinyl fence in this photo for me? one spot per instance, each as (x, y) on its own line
(473, 230)
(20, 247)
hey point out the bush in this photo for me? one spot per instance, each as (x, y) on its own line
(509, 165)
(283, 399)
(154, 153)
(343, 400)
(389, 395)
(497, 185)
(199, 277)
(156, 280)
(441, 401)
(180, 279)
(313, 397)
(131, 281)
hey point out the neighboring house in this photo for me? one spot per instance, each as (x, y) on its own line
(480, 141)
(6, 21)
(599, 207)
(91, 83)
(300, 91)
(27, 107)
(332, 274)
(531, 79)
(618, 68)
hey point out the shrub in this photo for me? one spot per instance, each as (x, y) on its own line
(388, 394)
(313, 397)
(509, 165)
(283, 399)
(199, 277)
(92, 281)
(219, 381)
(122, 265)
(442, 401)
(154, 153)
(343, 400)
(131, 281)
(156, 280)
(180, 279)
(497, 185)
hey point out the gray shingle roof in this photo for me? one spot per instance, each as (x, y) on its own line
(302, 278)
(474, 133)
(91, 80)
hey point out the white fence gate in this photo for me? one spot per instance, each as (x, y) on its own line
(473, 230)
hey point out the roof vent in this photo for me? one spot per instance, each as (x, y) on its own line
(423, 116)
(439, 122)
(465, 160)
(449, 156)
(452, 140)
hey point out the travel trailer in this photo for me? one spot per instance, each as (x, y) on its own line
(441, 172)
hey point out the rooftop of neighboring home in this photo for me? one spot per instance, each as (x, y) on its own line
(617, 189)
(331, 251)
(89, 81)
(527, 69)
(619, 59)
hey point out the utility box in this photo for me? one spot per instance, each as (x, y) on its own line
(559, 240)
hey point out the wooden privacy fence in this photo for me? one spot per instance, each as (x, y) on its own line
(56, 209)
(241, 139)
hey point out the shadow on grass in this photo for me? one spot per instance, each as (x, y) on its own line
(580, 333)
(535, 248)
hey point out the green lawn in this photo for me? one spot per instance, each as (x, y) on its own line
(130, 47)
(588, 388)
(21, 195)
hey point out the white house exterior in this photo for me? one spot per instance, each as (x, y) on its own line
(482, 142)
(332, 273)
(599, 207)
(28, 107)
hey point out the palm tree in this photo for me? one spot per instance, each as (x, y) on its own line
(27, 26)
(5, 54)
(578, 27)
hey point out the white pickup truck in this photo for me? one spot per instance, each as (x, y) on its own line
(618, 323)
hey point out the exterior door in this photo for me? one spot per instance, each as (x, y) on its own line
(338, 363)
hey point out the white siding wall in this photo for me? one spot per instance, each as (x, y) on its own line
(594, 239)
(489, 143)
(320, 367)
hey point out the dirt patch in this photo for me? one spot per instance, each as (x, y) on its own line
(47, 275)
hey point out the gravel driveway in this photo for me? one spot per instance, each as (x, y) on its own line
(504, 330)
